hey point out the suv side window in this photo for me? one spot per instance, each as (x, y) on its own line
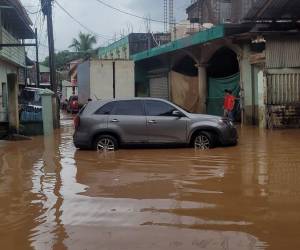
(134, 107)
(158, 108)
(106, 109)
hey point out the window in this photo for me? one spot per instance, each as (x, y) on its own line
(106, 109)
(157, 108)
(134, 108)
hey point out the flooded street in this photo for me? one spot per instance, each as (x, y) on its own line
(246, 197)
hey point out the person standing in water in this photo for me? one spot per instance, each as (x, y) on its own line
(229, 102)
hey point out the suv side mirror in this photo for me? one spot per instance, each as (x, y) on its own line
(177, 113)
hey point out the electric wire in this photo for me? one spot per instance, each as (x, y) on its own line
(132, 14)
(81, 24)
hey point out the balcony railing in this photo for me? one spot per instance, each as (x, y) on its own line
(15, 55)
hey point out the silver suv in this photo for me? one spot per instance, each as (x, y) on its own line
(106, 125)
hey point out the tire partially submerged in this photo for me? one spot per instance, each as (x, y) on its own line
(106, 143)
(204, 140)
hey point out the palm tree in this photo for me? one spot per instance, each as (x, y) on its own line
(84, 43)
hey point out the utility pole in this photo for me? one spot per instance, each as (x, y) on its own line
(47, 10)
(37, 64)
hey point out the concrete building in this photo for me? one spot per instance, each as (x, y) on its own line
(132, 44)
(218, 11)
(14, 27)
(258, 59)
(44, 76)
(72, 66)
(103, 79)
(67, 90)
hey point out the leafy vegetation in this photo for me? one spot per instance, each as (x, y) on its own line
(84, 43)
(83, 49)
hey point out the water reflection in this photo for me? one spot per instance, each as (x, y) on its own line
(245, 197)
(17, 211)
(48, 183)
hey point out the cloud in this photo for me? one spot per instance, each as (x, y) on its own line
(101, 19)
(156, 7)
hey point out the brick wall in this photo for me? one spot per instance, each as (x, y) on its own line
(284, 116)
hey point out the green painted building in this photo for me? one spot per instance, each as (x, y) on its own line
(132, 44)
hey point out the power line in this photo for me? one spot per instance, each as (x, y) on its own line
(33, 13)
(131, 14)
(81, 24)
(38, 20)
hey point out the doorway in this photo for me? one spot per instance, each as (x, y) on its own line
(3, 103)
(223, 73)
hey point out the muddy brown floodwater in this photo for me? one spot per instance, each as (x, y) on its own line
(246, 197)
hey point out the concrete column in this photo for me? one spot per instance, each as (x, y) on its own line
(47, 111)
(13, 104)
(262, 85)
(202, 76)
(246, 87)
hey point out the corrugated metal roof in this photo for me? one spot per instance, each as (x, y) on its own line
(44, 69)
(22, 11)
(283, 53)
(274, 10)
(18, 18)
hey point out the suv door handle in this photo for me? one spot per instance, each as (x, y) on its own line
(114, 120)
(152, 122)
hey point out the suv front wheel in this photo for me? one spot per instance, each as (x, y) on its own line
(203, 140)
(105, 143)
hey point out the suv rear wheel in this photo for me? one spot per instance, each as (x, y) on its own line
(106, 143)
(203, 140)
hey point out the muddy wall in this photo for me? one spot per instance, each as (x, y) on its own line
(283, 98)
(185, 91)
(284, 116)
(96, 78)
(83, 74)
(5, 68)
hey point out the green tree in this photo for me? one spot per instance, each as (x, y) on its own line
(84, 43)
(64, 57)
(83, 49)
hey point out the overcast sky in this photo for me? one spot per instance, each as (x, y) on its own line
(100, 19)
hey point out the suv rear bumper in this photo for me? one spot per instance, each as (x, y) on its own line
(79, 142)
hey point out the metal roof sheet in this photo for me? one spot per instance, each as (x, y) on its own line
(15, 14)
(274, 10)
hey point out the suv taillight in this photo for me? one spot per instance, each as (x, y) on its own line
(76, 121)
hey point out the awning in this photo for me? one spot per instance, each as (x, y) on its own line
(15, 15)
(201, 37)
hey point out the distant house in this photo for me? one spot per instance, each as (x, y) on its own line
(73, 71)
(15, 27)
(44, 76)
